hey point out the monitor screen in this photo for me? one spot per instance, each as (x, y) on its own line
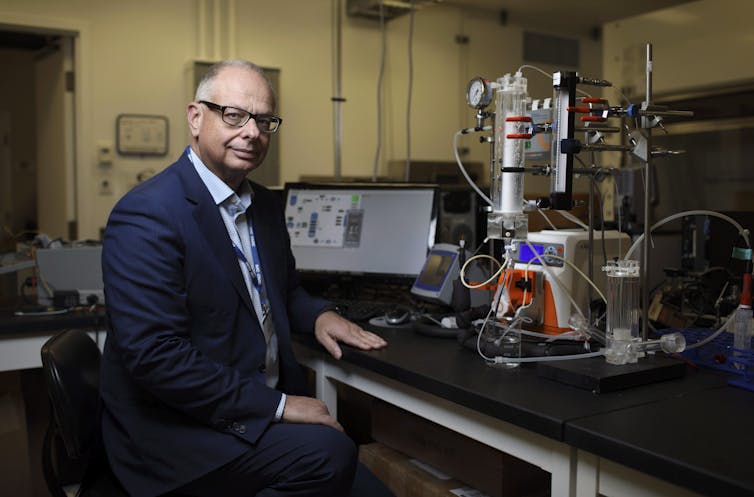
(435, 282)
(365, 229)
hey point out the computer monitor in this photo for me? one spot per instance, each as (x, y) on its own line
(361, 229)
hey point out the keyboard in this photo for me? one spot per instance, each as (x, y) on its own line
(362, 310)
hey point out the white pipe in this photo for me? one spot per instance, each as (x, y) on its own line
(201, 29)
(231, 29)
(216, 30)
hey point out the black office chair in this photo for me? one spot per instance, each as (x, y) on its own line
(70, 363)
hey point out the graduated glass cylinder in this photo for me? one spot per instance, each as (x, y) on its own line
(506, 170)
(623, 292)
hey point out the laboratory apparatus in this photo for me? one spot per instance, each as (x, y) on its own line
(550, 276)
(743, 325)
(622, 328)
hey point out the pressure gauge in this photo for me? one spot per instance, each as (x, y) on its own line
(479, 93)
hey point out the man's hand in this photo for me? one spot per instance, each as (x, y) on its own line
(308, 410)
(330, 329)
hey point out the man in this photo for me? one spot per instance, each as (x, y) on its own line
(202, 394)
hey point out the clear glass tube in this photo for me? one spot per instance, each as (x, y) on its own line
(506, 171)
(622, 311)
(742, 331)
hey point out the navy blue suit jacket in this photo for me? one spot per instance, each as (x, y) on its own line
(182, 379)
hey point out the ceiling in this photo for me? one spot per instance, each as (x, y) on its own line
(566, 16)
(581, 17)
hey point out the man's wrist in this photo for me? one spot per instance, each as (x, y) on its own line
(330, 307)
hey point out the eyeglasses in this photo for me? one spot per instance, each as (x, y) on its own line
(266, 123)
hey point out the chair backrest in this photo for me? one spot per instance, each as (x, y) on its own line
(70, 363)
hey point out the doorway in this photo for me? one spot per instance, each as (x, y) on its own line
(37, 166)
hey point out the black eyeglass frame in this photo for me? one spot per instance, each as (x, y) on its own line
(277, 121)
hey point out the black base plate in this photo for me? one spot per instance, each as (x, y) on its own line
(597, 375)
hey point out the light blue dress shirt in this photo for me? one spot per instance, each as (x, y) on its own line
(232, 206)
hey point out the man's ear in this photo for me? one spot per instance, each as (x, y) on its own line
(194, 116)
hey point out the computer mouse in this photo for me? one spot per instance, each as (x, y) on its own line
(397, 315)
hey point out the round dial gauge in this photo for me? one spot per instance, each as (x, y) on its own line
(479, 93)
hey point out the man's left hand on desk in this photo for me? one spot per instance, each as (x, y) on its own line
(330, 328)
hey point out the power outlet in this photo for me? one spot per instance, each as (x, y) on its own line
(105, 187)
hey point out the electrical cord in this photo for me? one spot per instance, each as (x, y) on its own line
(410, 89)
(379, 92)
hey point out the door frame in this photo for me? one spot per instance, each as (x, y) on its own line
(79, 31)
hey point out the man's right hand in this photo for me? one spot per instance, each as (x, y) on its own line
(308, 410)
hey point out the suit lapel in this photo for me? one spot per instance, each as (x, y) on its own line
(263, 235)
(211, 226)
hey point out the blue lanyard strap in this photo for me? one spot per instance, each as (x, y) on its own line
(242, 258)
(255, 273)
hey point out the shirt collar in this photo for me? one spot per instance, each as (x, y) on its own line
(219, 190)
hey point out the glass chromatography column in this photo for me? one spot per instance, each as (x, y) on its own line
(622, 311)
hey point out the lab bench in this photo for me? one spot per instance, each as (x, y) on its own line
(679, 437)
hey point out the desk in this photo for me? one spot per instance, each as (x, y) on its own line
(22, 337)
(589, 443)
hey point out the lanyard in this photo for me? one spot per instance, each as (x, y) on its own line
(255, 272)
(256, 290)
(252, 272)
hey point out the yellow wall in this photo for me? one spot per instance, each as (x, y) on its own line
(699, 44)
(132, 58)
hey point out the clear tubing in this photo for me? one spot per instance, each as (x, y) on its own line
(551, 276)
(501, 359)
(460, 163)
(725, 326)
(568, 335)
(741, 230)
(622, 311)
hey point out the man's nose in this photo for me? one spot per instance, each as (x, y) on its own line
(250, 129)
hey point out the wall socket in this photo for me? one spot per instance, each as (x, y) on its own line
(105, 187)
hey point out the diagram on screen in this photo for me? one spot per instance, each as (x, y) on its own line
(324, 219)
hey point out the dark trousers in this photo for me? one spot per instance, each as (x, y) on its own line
(292, 460)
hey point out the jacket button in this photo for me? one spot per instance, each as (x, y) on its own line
(239, 428)
(262, 368)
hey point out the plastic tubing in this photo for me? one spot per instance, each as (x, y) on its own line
(547, 219)
(714, 335)
(552, 276)
(492, 278)
(573, 266)
(574, 219)
(545, 358)
(741, 230)
(460, 163)
(568, 335)
(501, 359)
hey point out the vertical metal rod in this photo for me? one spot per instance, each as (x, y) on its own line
(646, 122)
(337, 87)
(590, 257)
